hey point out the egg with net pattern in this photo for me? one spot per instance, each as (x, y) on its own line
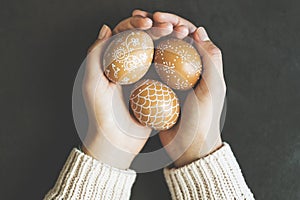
(155, 105)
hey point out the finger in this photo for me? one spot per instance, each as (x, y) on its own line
(142, 13)
(94, 57)
(104, 33)
(160, 30)
(209, 52)
(174, 20)
(137, 22)
(212, 74)
(180, 31)
(141, 22)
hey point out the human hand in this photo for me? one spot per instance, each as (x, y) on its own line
(166, 24)
(157, 25)
(201, 113)
(115, 142)
(113, 136)
(208, 110)
(197, 134)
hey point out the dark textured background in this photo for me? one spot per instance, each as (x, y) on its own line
(44, 42)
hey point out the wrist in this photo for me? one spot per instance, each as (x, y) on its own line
(193, 153)
(101, 149)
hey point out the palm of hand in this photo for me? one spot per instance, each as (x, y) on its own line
(110, 123)
(188, 136)
(114, 121)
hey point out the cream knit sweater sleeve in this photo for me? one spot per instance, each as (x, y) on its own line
(216, 176)
(84, 178)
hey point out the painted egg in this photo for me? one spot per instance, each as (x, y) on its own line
(177, 63)
(128, 57)
(154, 105)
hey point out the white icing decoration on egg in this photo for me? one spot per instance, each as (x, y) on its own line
(159, 115)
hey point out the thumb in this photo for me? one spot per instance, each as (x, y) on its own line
(94, 57)
(211, 56)
(104, 33)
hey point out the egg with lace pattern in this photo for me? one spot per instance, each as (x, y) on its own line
(177, 63)
(155, 105)
(128, 57)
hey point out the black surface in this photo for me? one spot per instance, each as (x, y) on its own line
(44, 42)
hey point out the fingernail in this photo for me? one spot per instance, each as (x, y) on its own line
(202, 34)
(103, 32)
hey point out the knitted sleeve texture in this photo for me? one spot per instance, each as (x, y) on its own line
(83, 177)
(216, 176)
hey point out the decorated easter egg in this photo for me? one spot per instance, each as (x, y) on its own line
(154, 105)
(128, 57)
(177, 63)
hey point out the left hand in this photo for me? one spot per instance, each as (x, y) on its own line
(197, 133)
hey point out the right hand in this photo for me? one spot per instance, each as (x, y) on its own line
(112, 141)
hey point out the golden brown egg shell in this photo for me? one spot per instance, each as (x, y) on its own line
(128, 57)
(177, 63)
(154, 105)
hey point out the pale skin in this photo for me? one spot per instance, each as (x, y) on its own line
(200, 114)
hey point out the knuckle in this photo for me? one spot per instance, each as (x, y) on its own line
(134, 22)
(140, 22)
(214, 50)
(156, 15)
(134, 12)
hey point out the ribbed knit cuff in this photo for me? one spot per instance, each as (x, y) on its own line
(216, 176)
(83, 177)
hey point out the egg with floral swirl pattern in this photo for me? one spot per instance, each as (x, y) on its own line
(177, 63)
(128, 57)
